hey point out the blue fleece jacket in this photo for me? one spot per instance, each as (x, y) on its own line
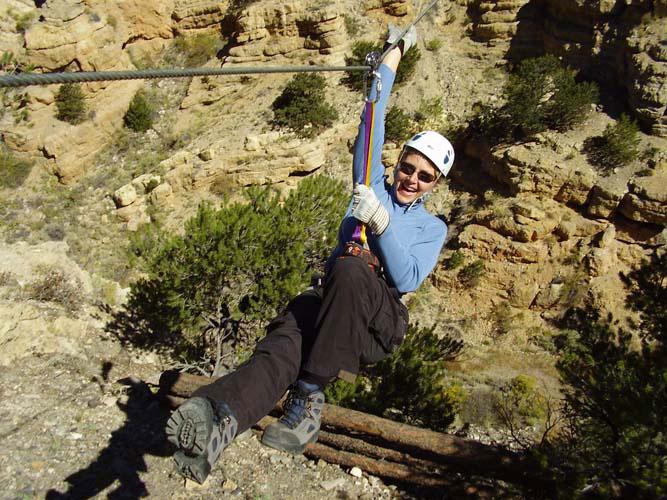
(410, 245)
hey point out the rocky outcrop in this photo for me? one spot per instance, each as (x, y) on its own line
(71, 36)
(286, 155)
(198, 14)
(290, 29)
(490, 245)
(531, 168)
(497, 19)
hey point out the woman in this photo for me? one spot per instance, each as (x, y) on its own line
(356, 317)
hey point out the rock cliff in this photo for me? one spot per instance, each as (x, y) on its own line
(619, 44)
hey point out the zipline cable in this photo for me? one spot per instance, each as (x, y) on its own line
(24, 79)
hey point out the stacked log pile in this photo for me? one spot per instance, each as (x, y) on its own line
(386, 448)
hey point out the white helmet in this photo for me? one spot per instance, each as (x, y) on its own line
(434, 147)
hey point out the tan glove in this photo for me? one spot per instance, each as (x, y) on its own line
(367, 208)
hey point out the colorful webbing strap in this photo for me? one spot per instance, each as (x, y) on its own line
(360, 231)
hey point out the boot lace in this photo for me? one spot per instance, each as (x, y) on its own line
(297, 407)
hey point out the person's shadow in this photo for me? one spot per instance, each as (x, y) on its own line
(123, 458)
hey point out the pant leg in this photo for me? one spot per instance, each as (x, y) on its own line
(253, 389)
(360, 319)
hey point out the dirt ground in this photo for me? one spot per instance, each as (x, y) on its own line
(89, 426)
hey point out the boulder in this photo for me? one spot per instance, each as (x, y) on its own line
(549, 296)
(179, 170)
(604, 200)
(125, 195)
(161, 194)
(145, 183)
(647, 199)
(488, 244)
(601, 261)
(523, 291)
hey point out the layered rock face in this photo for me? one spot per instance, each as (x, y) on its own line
(499, 19)
(646, 60)
(291, 29)
(616, 43)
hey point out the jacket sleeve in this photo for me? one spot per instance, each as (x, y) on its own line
(407, 267)
(377, 169)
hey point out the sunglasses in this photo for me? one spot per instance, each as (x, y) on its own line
(408, 170)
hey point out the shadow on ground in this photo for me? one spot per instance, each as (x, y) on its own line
(123, 459)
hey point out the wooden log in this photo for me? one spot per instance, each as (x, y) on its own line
(361, 447)
(350, 452)
(458, 453)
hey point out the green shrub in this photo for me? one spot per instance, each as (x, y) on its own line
(241, 262)
(410, 385)
(455, 261)
(14, 100)
(406, 69)
(471, 275)
(617, 146)
(302, 105)
(139, 115)
(520, 404)
(433, 44)
(430, 115)
(616, 394)
(23, 22)
(13, 172)
(53, 285)
(198, 49)
(398, 125)
(541, 94)
(352, 25)
(502, 317)
(70, 103)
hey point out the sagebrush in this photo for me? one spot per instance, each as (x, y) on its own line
(55, 285)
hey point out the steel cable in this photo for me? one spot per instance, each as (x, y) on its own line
(25, 79)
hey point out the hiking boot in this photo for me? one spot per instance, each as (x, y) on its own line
(300, 423)
(200, 432)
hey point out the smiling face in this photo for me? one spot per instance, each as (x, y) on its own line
(414, 176)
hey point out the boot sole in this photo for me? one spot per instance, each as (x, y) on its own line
(189, 428)
(193, 468)
(296, 449)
